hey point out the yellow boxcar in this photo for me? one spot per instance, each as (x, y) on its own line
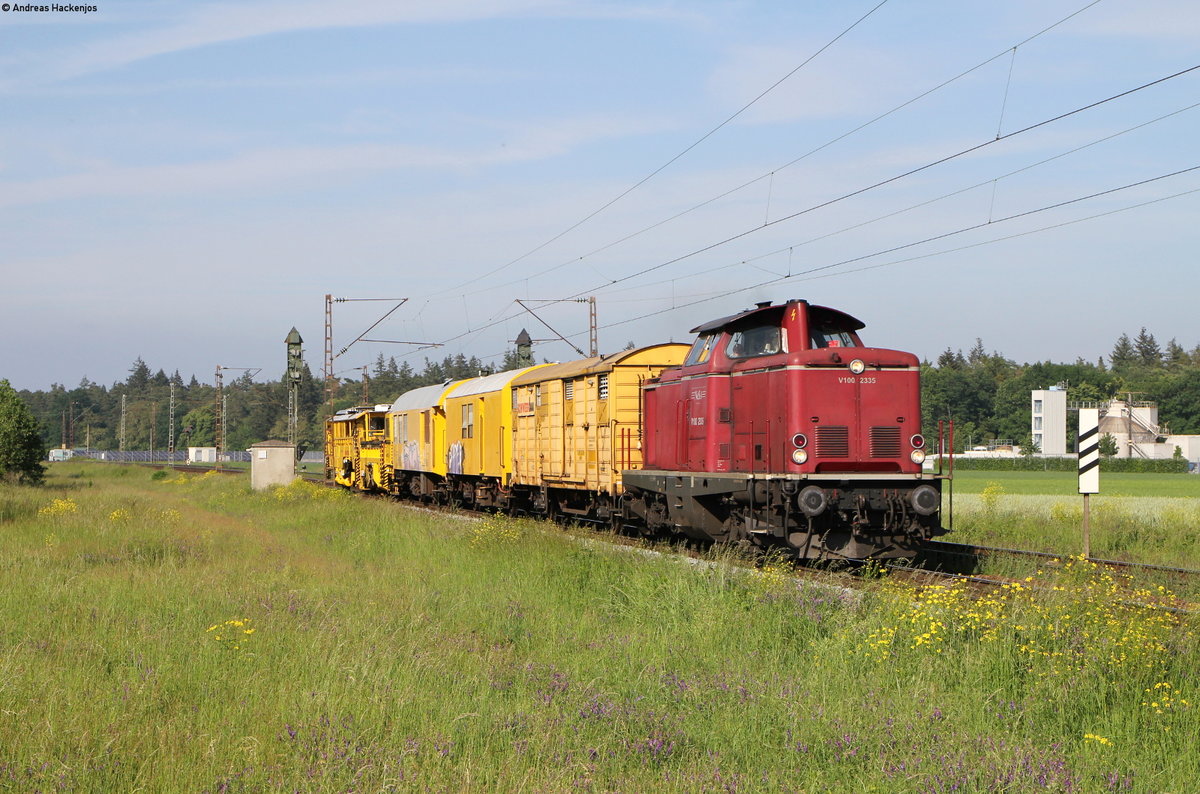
(358, 448)
(578, 425)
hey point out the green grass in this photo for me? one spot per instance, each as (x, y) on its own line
(400, 651)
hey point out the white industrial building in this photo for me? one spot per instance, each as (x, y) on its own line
(1132, 424)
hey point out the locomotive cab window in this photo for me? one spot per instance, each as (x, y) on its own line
(828, 332)
(759, 340)
(700, 350)
(377, 424)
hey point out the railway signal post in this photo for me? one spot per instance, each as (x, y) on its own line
(1089, 467)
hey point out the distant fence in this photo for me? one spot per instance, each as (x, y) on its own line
(1071, 463)
(151, 456)
(178, 456)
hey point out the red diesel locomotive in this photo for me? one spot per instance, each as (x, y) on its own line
(782, 429)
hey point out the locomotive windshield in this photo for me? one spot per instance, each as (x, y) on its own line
(701, 349)
(758, 340)
(830, 334)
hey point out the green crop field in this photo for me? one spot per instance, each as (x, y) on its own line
(166, 632)
(1151, 518)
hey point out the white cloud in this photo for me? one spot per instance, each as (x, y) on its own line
(271, 168)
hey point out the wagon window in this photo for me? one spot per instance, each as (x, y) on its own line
(401, 425)
(468, 420)
(603, 387)
(700, 350)
(568, 390)
(759, 340)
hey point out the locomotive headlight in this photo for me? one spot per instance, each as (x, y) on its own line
(799, 456)
(918, 456)
(857, 366)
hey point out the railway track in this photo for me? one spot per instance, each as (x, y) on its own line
(969, 559)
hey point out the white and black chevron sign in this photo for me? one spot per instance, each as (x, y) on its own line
(1089, 450)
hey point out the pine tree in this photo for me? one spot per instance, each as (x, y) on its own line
(139, 375)
(976, 356)
(1122, 354)
(951, 360)
(1176, 357)
(1148, 352)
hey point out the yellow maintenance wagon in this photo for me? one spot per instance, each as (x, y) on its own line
(358, 448)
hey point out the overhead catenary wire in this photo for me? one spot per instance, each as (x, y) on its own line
(677, 157)
(946, 235)
(895, 178)
(892, 179)
(823, 272)
(827, 268)
(790, 248)
(731, 191)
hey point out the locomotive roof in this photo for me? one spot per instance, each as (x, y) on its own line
(346, 414)
(824, 312)
(585, 366)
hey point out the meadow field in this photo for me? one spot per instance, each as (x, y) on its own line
(1150, 518)
(167, 632)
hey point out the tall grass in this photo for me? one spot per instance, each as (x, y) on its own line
(1157, 530)
(366, 647)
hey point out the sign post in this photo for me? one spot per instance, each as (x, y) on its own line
(1089, 467)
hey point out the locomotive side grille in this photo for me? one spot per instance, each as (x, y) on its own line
(833, 441)
(885, 442)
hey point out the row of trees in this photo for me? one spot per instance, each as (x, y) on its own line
(89, 415)
(987, 394)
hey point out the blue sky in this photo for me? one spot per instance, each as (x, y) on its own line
(186, 181)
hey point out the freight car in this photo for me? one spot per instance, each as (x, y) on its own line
(777, 427)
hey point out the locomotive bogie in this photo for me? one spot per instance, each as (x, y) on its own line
(819, 518)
